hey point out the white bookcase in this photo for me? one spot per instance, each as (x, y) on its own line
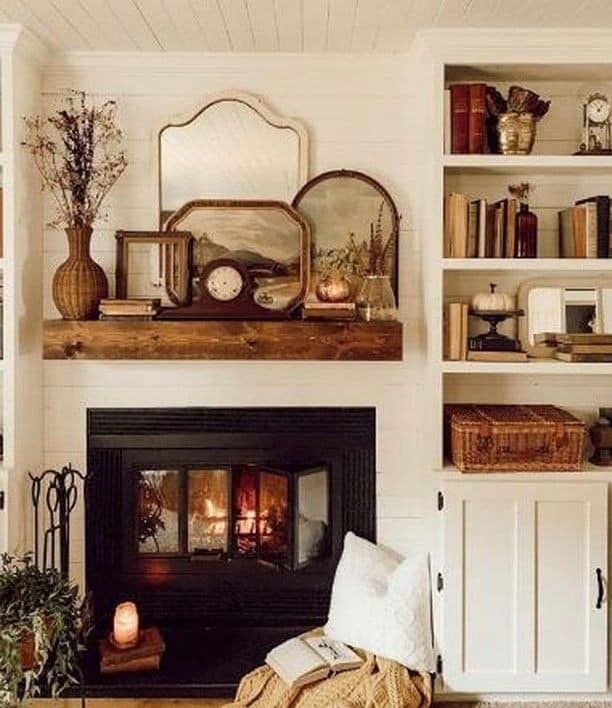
(21, 367)
(562, 66)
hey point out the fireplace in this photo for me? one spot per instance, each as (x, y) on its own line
(226, 522)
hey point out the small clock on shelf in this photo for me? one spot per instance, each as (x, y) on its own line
(597, 139)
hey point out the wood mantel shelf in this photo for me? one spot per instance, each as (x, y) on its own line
(229, 340)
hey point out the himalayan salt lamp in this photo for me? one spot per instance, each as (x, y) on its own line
(125, 626)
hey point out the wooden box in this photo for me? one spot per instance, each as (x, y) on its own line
(484, 438)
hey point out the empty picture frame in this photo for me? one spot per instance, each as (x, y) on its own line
(149, 261)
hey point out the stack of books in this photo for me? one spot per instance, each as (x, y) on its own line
(476, 229)
(131, 309)
(315, 310)
(584, 229)
(577, 347)
(145, 656)
(465, 118)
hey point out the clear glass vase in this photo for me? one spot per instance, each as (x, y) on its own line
(376, 300)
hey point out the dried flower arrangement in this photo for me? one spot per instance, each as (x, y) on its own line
(76, 151)
(520, 191)
(520, 100)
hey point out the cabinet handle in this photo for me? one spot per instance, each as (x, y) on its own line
(600, 588)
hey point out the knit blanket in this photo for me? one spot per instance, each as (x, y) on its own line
(377, 683)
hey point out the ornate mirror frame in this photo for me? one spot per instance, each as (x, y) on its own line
(262, 110)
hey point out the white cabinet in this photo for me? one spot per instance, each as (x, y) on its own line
(521, 587)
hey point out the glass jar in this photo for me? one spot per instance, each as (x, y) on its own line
(526, 233)
(376, 300)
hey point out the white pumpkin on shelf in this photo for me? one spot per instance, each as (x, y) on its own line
(493, 301)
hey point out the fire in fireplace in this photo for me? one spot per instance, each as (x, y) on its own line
(250, 511)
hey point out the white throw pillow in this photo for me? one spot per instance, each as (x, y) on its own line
(381, 603)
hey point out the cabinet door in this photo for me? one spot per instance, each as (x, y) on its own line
(520, 605)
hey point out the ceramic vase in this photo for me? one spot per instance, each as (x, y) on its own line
(79, 283)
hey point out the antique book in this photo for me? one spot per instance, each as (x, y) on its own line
(578, 231)
(602, 207)
(151, 644)
(546, 337)
(460, 112)
(129, 307)
(586, 358)
(583, 338)
(509, 240)
(496, 356)
(329, 311)
(465, 308)
(455, 226)
(146, 663)
(477, 136)
(303, 660)
(585, 348)
(455, 315)
(481, 250)
(472, 237)
(490, 231)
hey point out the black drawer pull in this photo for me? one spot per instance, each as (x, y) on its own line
(600, 588)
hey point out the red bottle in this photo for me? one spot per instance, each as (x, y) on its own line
(526, 233)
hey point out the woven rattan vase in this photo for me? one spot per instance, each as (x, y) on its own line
(79, 283)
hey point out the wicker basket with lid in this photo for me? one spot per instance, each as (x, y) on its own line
(486, 438)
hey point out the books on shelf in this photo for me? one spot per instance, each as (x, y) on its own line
(576, 347)
(578, 231)
(465, 114)
(476, 229)
(604, 235)
(314, 310)
(496, 356)
(303, 660)
(456, 331)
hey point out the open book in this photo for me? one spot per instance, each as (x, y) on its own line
(303, 660)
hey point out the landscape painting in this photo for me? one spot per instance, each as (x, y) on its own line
(346, 212)
(269, 240)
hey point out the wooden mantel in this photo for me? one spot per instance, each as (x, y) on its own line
(229, 340)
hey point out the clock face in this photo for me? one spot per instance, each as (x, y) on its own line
(224, 283)
(598, 109)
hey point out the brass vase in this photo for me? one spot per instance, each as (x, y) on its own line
(79, 283)
(517, 132)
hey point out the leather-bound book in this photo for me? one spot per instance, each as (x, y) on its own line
(146, 663)
(151, 644)
(477, 133)
(460, 112)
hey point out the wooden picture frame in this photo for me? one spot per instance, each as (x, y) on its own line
(342, 209)
(270, 239)
(174, 262)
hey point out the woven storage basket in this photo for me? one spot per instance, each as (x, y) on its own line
(513, 438)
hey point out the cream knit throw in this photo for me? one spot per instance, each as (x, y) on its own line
(377, 683)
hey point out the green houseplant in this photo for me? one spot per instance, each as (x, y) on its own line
(40, 626)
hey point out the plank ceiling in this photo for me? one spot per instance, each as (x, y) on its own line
(279, 25)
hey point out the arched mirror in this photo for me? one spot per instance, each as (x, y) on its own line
(234, 147)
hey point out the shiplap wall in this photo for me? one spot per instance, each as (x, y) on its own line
(360, 114)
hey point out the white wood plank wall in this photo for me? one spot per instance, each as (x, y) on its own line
(360, 114)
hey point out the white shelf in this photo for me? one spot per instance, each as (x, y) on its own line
(589, 472)
(530, 367)
(601, 265)
(504, 164)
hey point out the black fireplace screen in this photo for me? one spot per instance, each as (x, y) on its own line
(236, 511)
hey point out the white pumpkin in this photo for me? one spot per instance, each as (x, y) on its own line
(493, 301)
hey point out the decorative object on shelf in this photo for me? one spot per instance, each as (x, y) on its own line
(315, 310)
(494, 307)
(134, 310)
(233, 147)
(594, 348)
(333, 287)
(354, 227)
(76, 151)
(375, 300)
(601, 438)
(126, 626)
(517, 118)
(58, 490)
(41, 630)
(494, 438)
(251, 259)
(526, 223)
(565, 304)
(148, 261)
(493, 301)
(596, 132)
